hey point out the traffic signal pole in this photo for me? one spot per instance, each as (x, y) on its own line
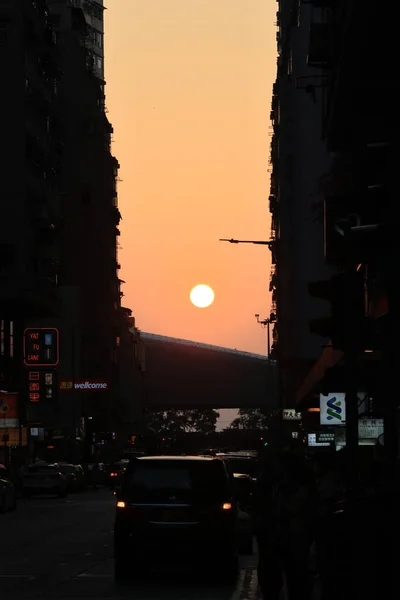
(353, 335)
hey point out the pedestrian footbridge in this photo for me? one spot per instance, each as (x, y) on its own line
(186, 374)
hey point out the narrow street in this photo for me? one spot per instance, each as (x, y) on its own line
(62, 549)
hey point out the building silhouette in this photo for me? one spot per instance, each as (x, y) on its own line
(59, 227)
(332, 205)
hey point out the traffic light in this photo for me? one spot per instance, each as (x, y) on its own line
(356, 203)
(346, 296)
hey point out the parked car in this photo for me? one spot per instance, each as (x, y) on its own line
(244, 491)
(179, 508)
(81, 479)
(8, 493)
(74, 475)
(241, 463)
(96, 474)
(44, 478)
(115, 472)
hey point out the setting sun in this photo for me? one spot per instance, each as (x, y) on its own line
(202, 296)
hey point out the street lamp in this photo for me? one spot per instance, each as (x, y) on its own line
(258, 242)
(266, 323)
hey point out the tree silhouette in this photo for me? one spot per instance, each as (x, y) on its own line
(250, 419)
(173, 422)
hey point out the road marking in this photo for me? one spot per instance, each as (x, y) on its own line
(17, 577)
(247, 588)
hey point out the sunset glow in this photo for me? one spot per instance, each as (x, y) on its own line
(188, 91)
(202, 296)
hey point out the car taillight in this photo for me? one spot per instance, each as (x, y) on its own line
(113, 474)
(128, 513)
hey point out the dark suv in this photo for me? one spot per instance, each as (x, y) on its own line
(175, 508)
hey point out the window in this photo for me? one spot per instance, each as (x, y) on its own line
(7, 256)
(4, 26)
(98, 39)
(99, 63)
(95, 36)
(93, 9)
(154, 480)
(290, 63)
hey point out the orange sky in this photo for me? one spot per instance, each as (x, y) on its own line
(189, 92)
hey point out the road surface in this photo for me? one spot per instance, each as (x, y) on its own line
(62, 550)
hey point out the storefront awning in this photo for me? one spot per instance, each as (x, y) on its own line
(328, 359)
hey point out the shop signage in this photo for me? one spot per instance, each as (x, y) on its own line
(332, 409)
(42, 385)
(312, 441)
(289, 414)
(84, 385)
(370, 428)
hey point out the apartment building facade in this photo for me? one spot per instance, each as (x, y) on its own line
(299, 160)
(59, 227)
(332, 203)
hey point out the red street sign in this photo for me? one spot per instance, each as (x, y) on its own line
(41, 347)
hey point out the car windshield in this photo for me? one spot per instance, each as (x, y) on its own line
(158, 479)
(247, 466)
(47, 470)
(43, 469)
(68, 469)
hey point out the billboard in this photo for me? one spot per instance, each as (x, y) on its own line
(332, 408)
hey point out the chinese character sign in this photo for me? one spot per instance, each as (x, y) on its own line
(41, 347)
(42, 385)
(290, 414)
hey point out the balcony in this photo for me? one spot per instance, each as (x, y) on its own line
(273, 204)
(116, 215)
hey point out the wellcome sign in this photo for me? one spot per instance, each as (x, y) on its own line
(83, 385)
